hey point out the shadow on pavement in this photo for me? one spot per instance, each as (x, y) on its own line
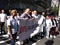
(49, 42)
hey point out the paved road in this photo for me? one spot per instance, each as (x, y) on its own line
(49, 42)
(39, 41)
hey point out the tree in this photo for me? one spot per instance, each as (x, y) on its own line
(54, 10)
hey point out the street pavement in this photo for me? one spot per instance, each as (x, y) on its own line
(45, 41)
(38, 41)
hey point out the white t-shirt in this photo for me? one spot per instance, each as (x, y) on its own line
(41, 20)
(13, 23)
(34, 16)
(3, 17)
(48, 23)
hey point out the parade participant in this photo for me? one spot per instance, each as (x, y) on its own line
(3, 18)
(34, 14)
(41, 23)
(12, 23)
(48, 26)
(53, 29)
(57, 26)
(26, 15)
(18, 15)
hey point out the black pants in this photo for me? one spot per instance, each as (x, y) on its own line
(2, 27)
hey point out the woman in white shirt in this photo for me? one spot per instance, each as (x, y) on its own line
(48, 26)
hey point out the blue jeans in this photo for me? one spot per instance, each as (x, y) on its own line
(13, 40)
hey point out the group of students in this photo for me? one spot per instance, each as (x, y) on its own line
(51, 27)
(45, 23)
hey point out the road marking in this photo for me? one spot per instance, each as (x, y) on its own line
(18, 42)
(4, 41)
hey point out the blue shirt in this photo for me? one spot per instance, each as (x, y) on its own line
(12, 22)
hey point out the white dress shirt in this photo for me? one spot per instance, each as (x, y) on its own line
(3, 17)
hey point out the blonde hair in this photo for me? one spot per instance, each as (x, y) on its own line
(27, 9)
(13, 11)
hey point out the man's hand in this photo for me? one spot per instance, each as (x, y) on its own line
(11, 37)
(26, 19)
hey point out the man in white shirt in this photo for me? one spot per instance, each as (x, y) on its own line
(41, 23)
(3, 18)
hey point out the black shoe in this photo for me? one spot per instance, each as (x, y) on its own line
(33, 39)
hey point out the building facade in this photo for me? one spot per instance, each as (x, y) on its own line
(54, 3)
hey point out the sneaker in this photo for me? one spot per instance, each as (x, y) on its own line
(47, 37)
(50, 36)
(54, 36)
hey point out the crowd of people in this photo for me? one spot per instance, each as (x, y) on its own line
(47, 23)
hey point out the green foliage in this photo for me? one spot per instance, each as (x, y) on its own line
(54, 10)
